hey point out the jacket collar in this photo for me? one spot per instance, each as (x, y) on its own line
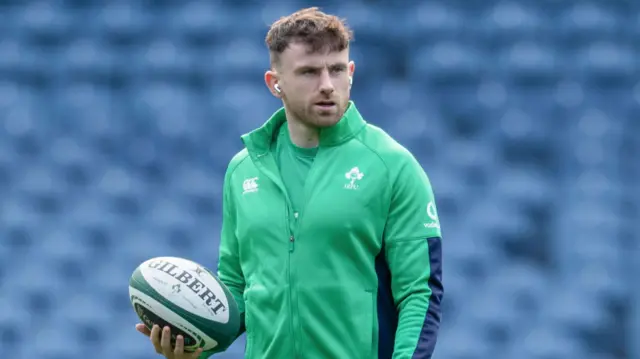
(259, 140)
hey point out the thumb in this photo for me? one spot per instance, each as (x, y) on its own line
(197, 353)
(143, 329)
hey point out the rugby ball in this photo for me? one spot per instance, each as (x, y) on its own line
(188, 298)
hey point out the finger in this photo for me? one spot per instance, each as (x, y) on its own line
(143, 329)
(165, 341)
(179, 349)
(155, 338)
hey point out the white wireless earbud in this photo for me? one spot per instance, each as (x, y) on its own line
(350, 80)
(277, 88)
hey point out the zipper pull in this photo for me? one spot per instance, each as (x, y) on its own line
(291, 241)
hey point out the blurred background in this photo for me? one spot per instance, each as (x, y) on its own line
(118, 119)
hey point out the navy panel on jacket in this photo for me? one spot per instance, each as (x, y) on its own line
(388, 315)
(429, 334)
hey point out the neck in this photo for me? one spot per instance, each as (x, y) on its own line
(302, 135)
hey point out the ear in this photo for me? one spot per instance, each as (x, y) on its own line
(352, 67)
(271, 79)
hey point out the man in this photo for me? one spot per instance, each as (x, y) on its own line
(330, 239)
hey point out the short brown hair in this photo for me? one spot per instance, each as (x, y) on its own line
(312, 27)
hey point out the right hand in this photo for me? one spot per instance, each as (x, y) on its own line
(162, 343)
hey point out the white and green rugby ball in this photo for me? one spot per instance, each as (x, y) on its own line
(188, 298)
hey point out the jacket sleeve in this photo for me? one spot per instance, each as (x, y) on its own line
(413, 254)
(229, 270)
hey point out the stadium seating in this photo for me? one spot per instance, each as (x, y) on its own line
(119, 118)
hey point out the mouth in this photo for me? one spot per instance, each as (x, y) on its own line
(325, 104)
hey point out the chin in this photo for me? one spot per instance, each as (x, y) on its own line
(328, 118)
(322, 123)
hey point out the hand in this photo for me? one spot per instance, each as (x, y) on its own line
(163, 344)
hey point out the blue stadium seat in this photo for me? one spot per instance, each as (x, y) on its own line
(449, 61)
(52, 342)
(462, 344)
(507, 22)
(590, 21)
(43, 22)
(118, 21)
(437, 21)
(236, 59)
(529, 62)
(543, 342)
(197, 21)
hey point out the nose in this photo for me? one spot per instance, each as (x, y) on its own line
(326, 85)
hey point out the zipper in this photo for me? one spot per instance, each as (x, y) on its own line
(289, 271)
(289, 232)
(307, 188)
(290, 237)
(293, 312)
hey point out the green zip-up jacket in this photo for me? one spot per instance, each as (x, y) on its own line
(357, 272)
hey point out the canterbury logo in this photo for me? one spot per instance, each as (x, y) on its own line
(250, 185)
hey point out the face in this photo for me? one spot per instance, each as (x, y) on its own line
(314, 86)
